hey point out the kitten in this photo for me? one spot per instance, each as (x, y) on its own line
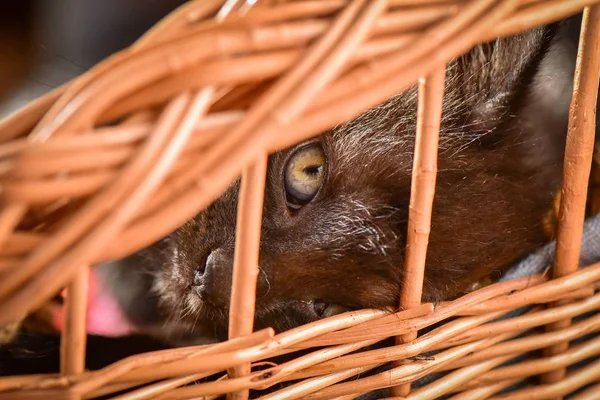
(336, 206)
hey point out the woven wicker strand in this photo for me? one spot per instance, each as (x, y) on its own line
(195, 117)
(102, 377)
(429, 114)
(73, 340)
(578, 160)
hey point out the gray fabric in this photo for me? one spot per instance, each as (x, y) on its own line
(541, 259)
(535, 263)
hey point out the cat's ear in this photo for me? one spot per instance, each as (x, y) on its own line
(554, 86)
(549, 95)
(486, 85)
(529, 84)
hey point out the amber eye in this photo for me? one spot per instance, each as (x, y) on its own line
(304, 174)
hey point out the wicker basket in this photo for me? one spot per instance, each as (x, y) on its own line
(173, 154)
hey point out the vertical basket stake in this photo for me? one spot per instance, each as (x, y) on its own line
(245, 266)
(578, 161)
(73, 337)
(429, 113)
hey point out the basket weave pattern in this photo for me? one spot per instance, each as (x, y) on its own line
(201, 101)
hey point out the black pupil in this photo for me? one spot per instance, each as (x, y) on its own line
(313, 170)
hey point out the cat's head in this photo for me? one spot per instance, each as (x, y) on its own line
(335, 213)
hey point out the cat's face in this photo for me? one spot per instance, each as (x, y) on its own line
(336, 207)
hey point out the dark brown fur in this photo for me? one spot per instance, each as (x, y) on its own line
(501, 147)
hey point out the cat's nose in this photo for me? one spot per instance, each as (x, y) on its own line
(212, 281)
(201, 274)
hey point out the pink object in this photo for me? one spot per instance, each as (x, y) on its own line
(104, 314)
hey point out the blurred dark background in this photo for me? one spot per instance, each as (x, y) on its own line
(44, 43)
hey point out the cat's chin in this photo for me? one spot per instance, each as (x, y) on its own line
(209, 323)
